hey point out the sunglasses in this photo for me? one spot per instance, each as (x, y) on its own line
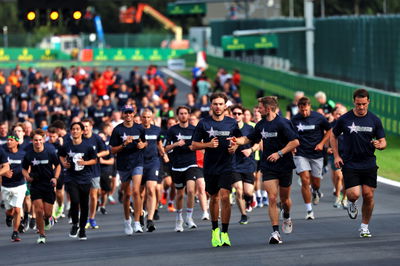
(235, 113)
(128, 112)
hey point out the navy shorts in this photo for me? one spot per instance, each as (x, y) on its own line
(180, 178)
(151, 172)
(285, 178)
(358, 177)
(45, 193)
(126, 176)
(245, 177)
(215, 182)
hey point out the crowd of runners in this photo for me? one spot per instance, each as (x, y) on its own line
(74, 140)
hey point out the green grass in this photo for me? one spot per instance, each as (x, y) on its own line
(387, 160)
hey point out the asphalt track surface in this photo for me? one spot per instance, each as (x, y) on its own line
(331, 239)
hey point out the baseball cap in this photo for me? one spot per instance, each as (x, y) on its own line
(127, 108)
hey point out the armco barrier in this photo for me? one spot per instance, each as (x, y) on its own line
(386, 105)
(31, 54)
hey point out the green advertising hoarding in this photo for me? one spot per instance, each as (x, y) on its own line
(31, 54)
(186, 9)
(231, 43)
(139, 54)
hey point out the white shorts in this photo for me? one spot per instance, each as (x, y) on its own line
(306, 164)
(13, 196)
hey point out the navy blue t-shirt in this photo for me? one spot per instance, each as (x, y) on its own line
(15, 161)
(275, 135)
(340, 139)
(42, 166)
(311, 132)
(217, 160)
(243, 164)
(98, 145)
(181, 157)
(130, 156)
(358, 132)
(72, 152)
(97, 115)
(107, 168)
(24, 115)
(151, 151)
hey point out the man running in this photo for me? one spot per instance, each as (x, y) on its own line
(184, 166)
(212, 134)
(41, 168)
(314, 131)
(279, 140)
(128, 141)
(362, 134)
(77, 156)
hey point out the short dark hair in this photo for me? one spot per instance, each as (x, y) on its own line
(59, 124)
(88, 120)
(304, 101)
(52, 130)
(271, 101)
(236, 106)
(77, 123)
(216, 95)
(360, 93)
(38, 131)
(183, 107)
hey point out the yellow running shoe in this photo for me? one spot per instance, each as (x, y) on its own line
(225, 240)
(216, 238)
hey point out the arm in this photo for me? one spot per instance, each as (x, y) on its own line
(65, 162)
(249, 151)
(88, 162)
(162, 151)
(320, 146)
(335, 150)
(288, 148)
(5, 167)
(116, 149)
(103, 153)
(57, 172)
(179, 143)
(380, 144)
(107, 161)
(203, 145)
(26, 175)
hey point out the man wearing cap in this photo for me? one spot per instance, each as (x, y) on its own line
(127, 142)
(13, 186)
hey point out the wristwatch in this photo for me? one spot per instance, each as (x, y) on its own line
(280, 153)
(123, 145)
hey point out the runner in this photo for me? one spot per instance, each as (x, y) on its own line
(100, 148)
(279, 140)
(128, 141)
(41, 167)
(184, 166)
(314, 131)
(362, 134)
(212, 135)
(77, 155)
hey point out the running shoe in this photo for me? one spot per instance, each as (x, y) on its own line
(310, 215)
(287, 226)
(25, 222)
(103, 210)
(111, 200)
(265, 201)
(345, 204)
(248, 207)
(275, 238)
(15, 237)
(21, 228)
(48, 223)
(179, 226)
(163, 200)
(150, 226)
(82, 234)
(216, 238)
(190, 223)
(232, 198)
(352, 210)
(9, 220)
(315, 197)
(59, 212)
(141, 220)
(120, 196)
(74, 231)
(32, 223)
(41, 239)
(243, 219)
(137, 228)
(91, 223)
(156, 215)
(337, 204)
(171, 207)
(259, 202)
(205, 216)
(225, 240)
(128, 227)
(364, 232)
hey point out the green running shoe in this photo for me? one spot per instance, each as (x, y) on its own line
(216, 238)
(225, 240)
(41, 239)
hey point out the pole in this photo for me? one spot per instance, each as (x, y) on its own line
(291, 8)
(5, 36)
(309, 19)
(322, 8)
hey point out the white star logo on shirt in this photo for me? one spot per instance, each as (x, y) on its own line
(300, 127)
(124, 137)
(353, 128)
(179, 136)
(35, 162)
(264, 134)
(212, 133)
(71, 154)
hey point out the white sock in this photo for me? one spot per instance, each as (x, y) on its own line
(258, 193)
(137, 223)
(264, 194)
(308, 207)
(179, 214)
(189, 213)
(364, 226)
(128, 221)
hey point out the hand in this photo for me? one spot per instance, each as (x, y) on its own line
(165, 158)
(232, 148)
(247, 152)
(338, 162)
(129, 139)
(273, 157)
(214, 143)
(319, 147)
(232, 140)
(81, 162)
(377, 144)
(141, 145)
(329, 151)
(9, 174)
(29, 179)
(180, 143)
(66, 165)
(53, 182)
